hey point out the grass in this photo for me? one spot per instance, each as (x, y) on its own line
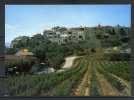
(94, 84)
(114, 81)
(66, 87)
(62, 84)
(119, 68)
(31, 85)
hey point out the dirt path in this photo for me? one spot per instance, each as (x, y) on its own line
(69, 61)
(127, 90)
(80, 91)
(105, 87)
(127, 87)
(83, 88)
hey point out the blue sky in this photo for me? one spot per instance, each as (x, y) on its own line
(31, 19)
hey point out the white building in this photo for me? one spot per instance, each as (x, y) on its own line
(70, 35)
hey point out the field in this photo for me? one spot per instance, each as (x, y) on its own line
(88, 77)
(69, 53)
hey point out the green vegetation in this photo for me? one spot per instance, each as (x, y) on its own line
(27, 84)
(65, 88)
(47, 54)
(119, 68)
(94, 85)
(115, 82)
(20, 65)
(62, 83)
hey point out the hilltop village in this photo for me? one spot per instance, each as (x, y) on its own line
(83, 60)
(52, 46)
(63, 35)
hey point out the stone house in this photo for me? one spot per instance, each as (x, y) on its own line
(70, 35)
(24, 53)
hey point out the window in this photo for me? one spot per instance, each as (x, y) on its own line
(80, 37)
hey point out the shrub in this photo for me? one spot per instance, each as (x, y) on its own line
(20, 65)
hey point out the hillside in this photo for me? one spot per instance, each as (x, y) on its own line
(47, 64)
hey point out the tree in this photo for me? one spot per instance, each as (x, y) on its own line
(10, 51)
(122, 32)
(37, 40)
(55, 55)
(99, 36)
(112, 32)
(20, 42)
(125, 39)
(40, 52)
